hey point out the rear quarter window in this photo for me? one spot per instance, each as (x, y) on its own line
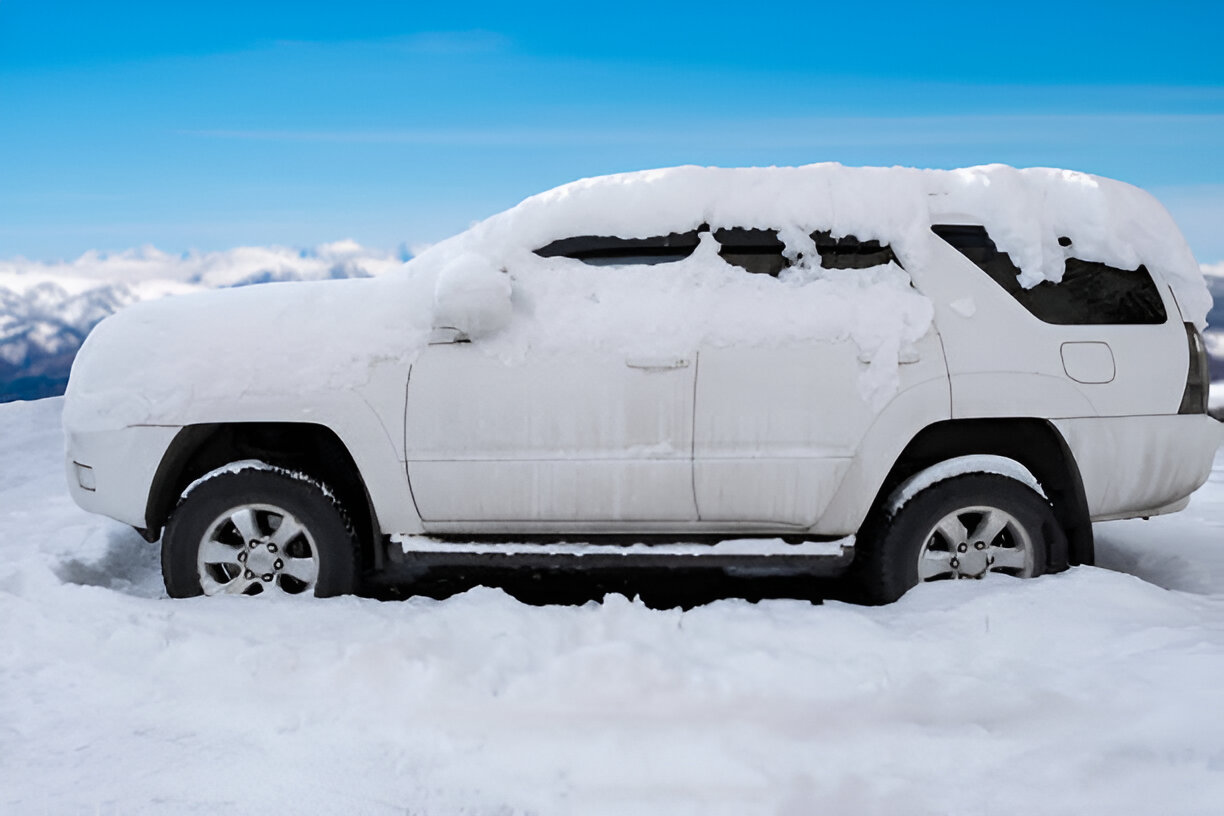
(1090, 293)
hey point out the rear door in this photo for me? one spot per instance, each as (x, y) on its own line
(778, 423)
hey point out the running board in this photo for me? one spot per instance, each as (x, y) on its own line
(737, 555)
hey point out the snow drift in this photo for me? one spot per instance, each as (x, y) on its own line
(1092, 691)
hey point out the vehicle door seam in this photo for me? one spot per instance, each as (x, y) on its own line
(693, 435)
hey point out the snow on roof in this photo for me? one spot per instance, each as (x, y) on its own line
(1025, 211)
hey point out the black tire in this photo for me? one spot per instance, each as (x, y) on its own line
(325, 546)
(886, 562)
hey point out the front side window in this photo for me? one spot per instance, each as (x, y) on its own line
(1090, 293)
(603, 250)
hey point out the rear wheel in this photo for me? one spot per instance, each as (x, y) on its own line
(259, 532)
(966, 527)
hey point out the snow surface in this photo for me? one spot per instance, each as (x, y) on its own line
(959, 466)
(253, 464)
(1093, 691)
(489, 282)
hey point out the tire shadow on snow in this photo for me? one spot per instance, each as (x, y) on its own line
(115, 558)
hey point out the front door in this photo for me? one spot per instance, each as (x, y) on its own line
(554, 439)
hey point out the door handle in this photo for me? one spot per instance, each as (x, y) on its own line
(907, 356)
(657, 363)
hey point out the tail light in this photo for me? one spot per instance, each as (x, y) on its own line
(1198, 378)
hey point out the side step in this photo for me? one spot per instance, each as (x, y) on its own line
(741, 555)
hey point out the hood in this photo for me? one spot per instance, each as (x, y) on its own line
(157, 362)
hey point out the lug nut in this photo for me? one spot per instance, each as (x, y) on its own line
(962, 547)
(248, 574)
(279, 563)
(253, 544)
(242, 556)
(955, 563)
(271, 547)
(981, 545)
(267, 576)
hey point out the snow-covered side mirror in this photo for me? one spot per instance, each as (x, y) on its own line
(471, 298)
(445, 335)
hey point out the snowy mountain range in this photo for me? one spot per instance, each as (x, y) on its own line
(47, 308)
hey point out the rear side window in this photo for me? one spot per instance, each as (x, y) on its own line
(601, 250)
(758, 251)
(848, 252)
(1090, 293)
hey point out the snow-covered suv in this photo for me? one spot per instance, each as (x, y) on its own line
(961, 369)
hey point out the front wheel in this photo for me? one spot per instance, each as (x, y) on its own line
(259, 532)
(964, 527)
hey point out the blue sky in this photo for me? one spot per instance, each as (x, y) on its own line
(207, 125)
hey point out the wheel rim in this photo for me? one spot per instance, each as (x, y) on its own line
(973, 542)
(257, 549)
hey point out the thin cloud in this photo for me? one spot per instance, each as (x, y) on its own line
(773, 133)
(427, 43)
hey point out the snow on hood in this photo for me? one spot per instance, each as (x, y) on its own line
(144, 364)
(149, 362)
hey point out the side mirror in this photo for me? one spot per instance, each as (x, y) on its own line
(445, 335)
(471, 299)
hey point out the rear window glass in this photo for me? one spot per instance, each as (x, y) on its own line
(1090, 293)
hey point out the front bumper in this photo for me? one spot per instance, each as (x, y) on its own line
(120, 464)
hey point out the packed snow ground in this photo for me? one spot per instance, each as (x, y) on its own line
(1094, 691)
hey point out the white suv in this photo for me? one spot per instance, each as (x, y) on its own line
(936, 374)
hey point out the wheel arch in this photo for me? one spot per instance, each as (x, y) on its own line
(1034, 443)
(313, 449)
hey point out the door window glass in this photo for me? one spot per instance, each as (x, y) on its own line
(848, 252)
(758, 251)
(603, 250)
